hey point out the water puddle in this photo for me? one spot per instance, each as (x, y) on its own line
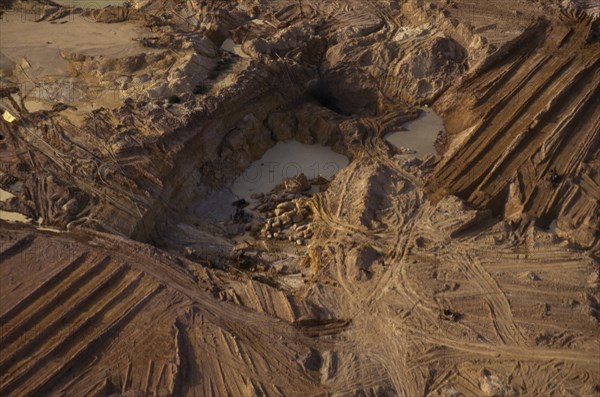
(420, 135)
(287, 160)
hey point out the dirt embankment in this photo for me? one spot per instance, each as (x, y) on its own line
(399, 277)
(528, 112)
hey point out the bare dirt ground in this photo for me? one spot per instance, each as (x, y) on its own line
(466, 273)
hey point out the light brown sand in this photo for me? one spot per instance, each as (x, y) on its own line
(42, 42)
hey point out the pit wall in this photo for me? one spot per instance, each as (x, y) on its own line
(218, 145)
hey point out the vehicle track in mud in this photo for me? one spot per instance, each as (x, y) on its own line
(404, 289)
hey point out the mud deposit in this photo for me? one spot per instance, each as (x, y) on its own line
(252, 202)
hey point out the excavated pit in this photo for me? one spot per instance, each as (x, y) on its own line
(213, 219)
(403, 275)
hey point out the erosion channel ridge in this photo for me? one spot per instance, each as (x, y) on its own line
(132, 263)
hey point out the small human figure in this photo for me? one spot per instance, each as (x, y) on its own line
(554, 177)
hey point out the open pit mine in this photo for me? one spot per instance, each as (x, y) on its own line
(300, 198)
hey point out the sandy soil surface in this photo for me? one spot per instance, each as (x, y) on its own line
(41, 43)
(471, 271)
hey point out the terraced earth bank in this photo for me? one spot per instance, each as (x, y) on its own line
(138, 272)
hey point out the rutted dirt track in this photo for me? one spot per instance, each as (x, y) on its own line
(432, 312)
(434, 276)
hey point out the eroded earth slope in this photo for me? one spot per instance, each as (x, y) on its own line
(466, 273)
